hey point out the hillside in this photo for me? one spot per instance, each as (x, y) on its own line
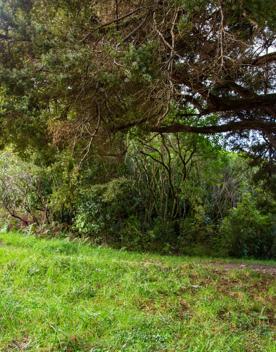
(57, 295)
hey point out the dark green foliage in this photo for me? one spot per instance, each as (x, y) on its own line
(69, 69)
(173, 194)
(248, 232)
(86, 85)
(102, 209)
(215, 209)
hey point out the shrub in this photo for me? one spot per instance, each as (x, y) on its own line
(104, 209)
(23, 190)
(247, 232)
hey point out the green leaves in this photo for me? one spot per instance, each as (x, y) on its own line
(140, 61)
(246, 231)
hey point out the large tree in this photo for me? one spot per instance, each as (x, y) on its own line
(76, 71)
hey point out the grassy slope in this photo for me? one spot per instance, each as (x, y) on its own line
(62, 296)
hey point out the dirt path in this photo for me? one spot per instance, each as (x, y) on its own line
(261, 268)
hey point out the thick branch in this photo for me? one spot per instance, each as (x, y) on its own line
(229, 127)
(264, 59)
(217, 104)
(242, 91)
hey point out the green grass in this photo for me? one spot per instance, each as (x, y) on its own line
(57, 295)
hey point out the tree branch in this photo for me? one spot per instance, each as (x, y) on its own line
(217, 104)
(229, 127)
(264, 59)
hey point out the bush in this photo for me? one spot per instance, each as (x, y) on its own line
(103, 210)
(247, 232)
(23, 191)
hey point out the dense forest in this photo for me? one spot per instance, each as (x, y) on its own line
(142, 124)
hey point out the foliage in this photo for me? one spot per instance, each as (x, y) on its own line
(247, 232)
(103, 208)
(23, 190)
(171, 194)
(120, 118)
(173, 197)
(73, 73)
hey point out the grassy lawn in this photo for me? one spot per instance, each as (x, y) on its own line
(56, 295)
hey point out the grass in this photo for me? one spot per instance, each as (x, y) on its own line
(57, 295)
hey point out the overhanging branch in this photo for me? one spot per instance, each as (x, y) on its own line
(264, 59)
(218, 104)
(229, 127)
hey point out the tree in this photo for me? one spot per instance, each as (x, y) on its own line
(82, 70)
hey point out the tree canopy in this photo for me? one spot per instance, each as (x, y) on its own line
(74, 72)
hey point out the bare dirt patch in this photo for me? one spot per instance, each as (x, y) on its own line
(261, 268)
